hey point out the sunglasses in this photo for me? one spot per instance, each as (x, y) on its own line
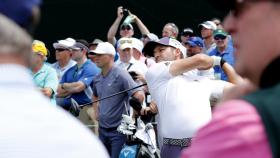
(91, 53)
(186, 34)
(220, 37)
(60, 49)
(125, 28)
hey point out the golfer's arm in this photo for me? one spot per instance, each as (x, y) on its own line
(199, 61)
(139, 95)
(143, 29)
(233, 77)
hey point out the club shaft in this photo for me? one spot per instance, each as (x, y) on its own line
(113, 95)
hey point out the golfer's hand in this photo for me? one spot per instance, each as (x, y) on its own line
(144, 111)
(153, 107)
(141, 78)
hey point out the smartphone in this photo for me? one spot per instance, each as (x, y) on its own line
(125, 12)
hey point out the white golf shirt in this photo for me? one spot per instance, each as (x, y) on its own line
(183, 101)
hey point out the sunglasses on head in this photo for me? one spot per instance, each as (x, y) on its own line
(220, 37)
(125, 28)
(60, 49)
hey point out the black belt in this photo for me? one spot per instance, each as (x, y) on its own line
(185, 142)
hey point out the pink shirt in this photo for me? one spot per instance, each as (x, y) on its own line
(236, 131)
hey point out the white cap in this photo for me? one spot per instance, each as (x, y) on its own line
(209, 25)
(137, 44)
(104, 48)
(183, 50)
(125, 43)
(152, 37)
(66, 43)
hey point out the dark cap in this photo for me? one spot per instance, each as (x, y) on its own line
(187, 31)
(19, 10)
(148, 50)
(79, 45)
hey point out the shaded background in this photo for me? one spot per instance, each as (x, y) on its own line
(89, 19)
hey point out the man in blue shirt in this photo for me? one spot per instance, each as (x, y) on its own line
(112, 79)
(223, 50)
(75, 83)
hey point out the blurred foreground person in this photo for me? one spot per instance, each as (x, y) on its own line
(247, 123)
(31, 126)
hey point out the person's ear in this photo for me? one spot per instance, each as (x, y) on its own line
(177, 52)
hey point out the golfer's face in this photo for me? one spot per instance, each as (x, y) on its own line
(164, 53)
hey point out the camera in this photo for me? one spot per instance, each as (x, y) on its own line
(133, 74)
(125, 12)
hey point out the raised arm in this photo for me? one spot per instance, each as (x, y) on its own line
(199, 61)
(233, 77)
(114, 28)
(143, 29)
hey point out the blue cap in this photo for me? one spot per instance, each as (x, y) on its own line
(195, 41)
(19, 11)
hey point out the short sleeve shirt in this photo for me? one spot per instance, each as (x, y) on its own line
(46, 77)
(111, 109)
(84, 74)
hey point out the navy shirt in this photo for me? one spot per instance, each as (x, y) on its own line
(111, 109)
(228, 56)
(84, 74)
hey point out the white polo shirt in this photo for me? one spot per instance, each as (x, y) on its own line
(183, 101)
(61, 70)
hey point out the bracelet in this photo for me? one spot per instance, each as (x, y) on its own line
(217, 61)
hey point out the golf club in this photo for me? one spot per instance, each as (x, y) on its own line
(75, 108)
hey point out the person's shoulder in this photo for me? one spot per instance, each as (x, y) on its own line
(158, 68)
(54, 65)
(49, 68)
(163, 64)
(213, 52)
(117, 71)
(55, 120)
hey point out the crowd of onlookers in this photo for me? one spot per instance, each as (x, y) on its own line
(85, 72)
